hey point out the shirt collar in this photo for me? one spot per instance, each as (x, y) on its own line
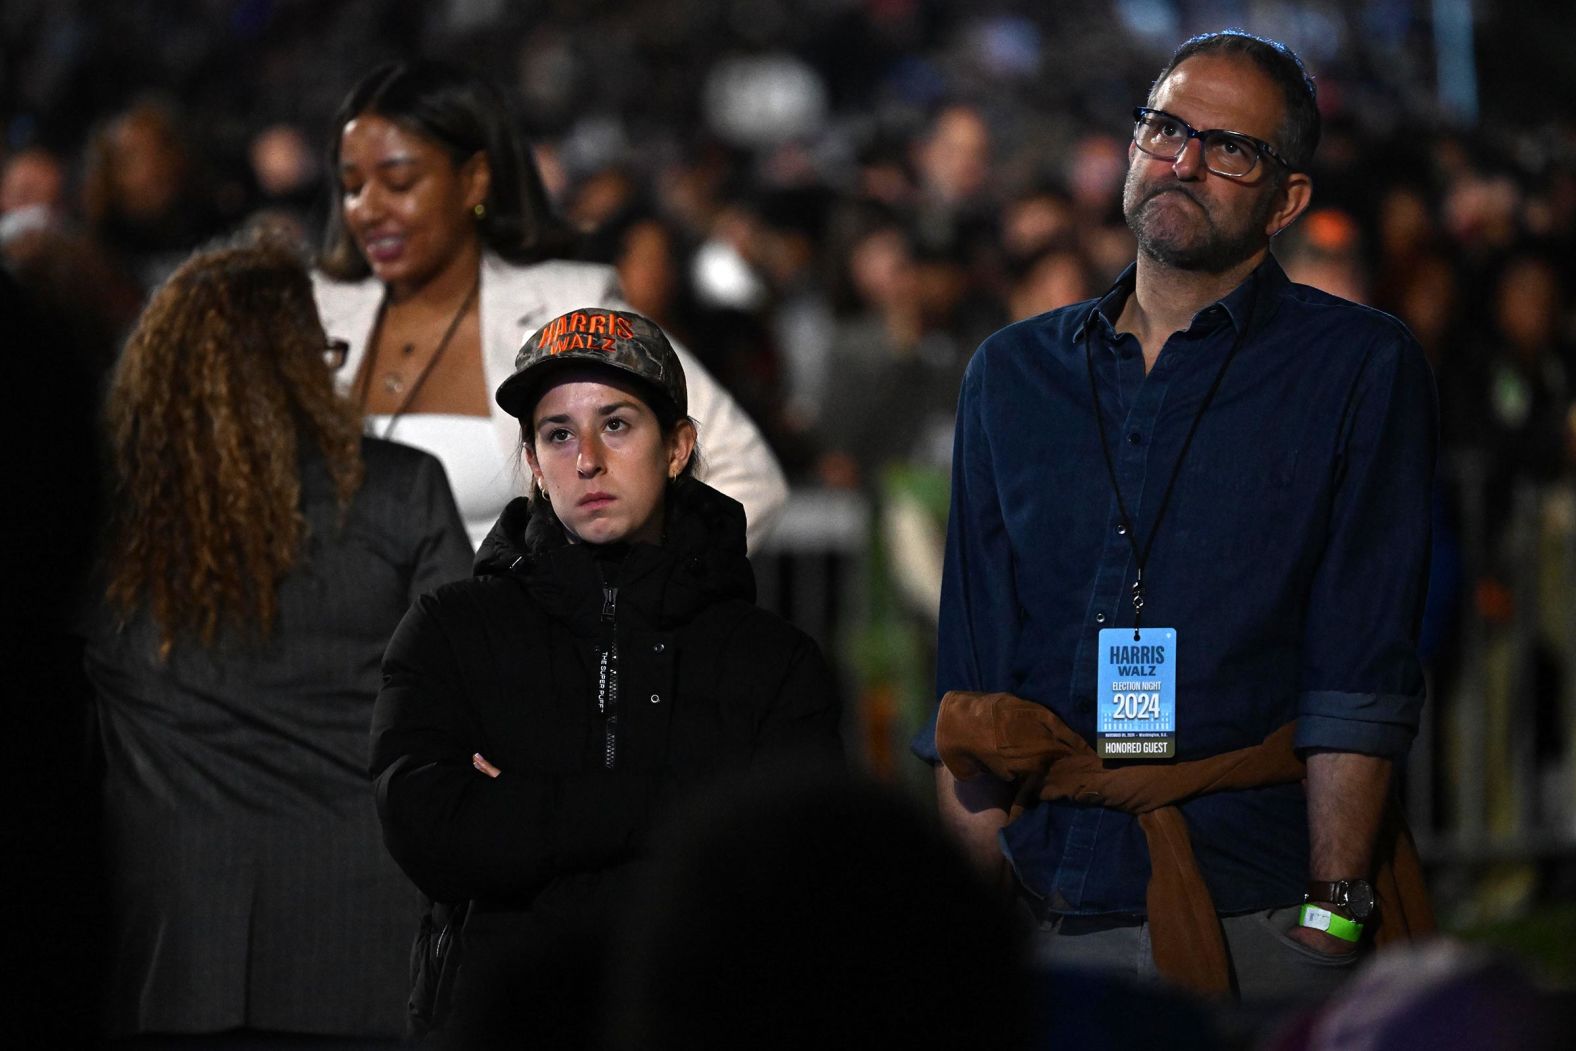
(1270, 279)
(1108, 307)
(1268, 274)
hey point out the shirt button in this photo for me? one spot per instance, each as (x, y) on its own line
(1099, 618)
(1135, 439)
(1121, 529)
(658, 648)
(656, 699)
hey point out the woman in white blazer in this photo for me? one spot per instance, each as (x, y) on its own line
(439, 259)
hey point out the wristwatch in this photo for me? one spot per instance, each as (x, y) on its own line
(1355, 896)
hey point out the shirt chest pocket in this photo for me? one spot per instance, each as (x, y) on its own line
(1236, 506)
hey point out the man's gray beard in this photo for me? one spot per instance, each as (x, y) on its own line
(1215, 254)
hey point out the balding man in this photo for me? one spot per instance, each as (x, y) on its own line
(1190, 519)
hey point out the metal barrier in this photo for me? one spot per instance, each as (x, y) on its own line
(811, 571)
(808, 570)
(1492, 776)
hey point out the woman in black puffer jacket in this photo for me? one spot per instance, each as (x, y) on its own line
(608, 656)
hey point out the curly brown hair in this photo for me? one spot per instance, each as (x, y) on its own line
(220, 383)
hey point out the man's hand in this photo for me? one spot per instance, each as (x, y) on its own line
(974, 811)
(1320, 941)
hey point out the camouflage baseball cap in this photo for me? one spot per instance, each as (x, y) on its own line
(615, 339)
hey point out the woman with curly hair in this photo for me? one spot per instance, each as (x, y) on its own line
(260, 553)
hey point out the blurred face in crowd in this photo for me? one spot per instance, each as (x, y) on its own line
(956, 158)
(1058, 278)
(647, 270)
(32, 179)
(598, 452)
(599, 197)
(1326, 253)
(1527, 306)
(882, 269)
(407, 205)
(282, 161)
(148, 169)
(1094, 173)
(1188, 217)
(1031, 223)
(1427, 301)
(1405, 225)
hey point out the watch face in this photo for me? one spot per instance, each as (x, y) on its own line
(1360, 899)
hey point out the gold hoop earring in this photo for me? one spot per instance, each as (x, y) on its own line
(480, 211)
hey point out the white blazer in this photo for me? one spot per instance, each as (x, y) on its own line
(515, 302)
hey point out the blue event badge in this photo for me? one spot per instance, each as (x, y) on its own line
(1136, 690)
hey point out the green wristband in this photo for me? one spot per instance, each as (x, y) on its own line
(1324, 920)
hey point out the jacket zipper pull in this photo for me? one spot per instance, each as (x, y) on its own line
(607, 679)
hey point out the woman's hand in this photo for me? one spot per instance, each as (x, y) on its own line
(481, 764)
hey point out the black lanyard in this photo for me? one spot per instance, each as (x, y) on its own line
(1141, 557)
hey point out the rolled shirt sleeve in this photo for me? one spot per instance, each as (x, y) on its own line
(1361, 687)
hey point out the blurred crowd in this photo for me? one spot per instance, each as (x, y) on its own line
(831, 202)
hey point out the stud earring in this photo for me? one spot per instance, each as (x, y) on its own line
(480, 211)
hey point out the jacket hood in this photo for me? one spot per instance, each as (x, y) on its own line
(701, 559)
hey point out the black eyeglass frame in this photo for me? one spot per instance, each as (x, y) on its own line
(1260, 147)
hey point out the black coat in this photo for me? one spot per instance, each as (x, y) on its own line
(508, 665)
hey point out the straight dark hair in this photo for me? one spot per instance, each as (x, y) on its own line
(1300, 130)
(466, 115)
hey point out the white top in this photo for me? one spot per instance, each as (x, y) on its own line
(481, 481)
(514, 302)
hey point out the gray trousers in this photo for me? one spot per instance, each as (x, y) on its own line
(1269, 970)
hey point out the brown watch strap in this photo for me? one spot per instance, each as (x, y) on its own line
(1325, 891)
(1353, 898)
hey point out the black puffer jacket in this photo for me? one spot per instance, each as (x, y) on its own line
(510, 665)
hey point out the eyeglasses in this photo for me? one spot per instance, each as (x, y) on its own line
(335, 351)
(1228, 153)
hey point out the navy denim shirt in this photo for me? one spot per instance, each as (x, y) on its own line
(1292, 561)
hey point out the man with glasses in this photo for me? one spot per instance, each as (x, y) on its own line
(1190, 520)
